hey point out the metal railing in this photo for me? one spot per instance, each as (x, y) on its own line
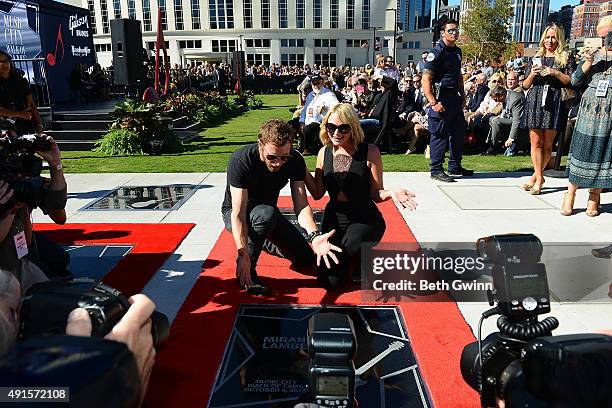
(35, 72)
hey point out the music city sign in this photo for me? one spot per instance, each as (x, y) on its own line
(20, 40)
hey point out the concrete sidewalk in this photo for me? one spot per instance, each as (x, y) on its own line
(486, 204)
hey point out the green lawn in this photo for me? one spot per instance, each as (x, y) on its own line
(211, 150)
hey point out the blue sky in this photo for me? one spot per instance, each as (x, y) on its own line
(554, 4)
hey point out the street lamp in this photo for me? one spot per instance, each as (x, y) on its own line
(394, 31)
(374, 46)
(240, 36)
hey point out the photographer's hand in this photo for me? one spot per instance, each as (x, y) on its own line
(134, 330)
(54, 158)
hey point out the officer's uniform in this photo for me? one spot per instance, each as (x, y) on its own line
(448, 126)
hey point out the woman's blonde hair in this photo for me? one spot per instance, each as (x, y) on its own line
(347, 115)
(604, 22)
(561, 55)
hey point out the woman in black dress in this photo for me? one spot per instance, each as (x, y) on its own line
(351, 171)
(545, 114)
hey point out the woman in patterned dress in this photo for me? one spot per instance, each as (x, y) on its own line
(545, 114)
(590, 158)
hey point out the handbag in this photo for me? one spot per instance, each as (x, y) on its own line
(567, 95)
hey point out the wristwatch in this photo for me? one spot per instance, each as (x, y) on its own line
(313, 235)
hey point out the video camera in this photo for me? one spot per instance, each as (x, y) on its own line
(519, 363)
(332, 346)
(21, 168)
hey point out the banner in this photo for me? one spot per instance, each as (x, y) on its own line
(20, 29)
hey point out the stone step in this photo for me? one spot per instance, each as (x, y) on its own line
(75, 145)
(80, 125)
(64, 135)
(81, 117)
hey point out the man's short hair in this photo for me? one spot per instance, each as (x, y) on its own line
(277, 132)
(450, 21)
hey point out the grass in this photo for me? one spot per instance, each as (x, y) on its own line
(212, 149)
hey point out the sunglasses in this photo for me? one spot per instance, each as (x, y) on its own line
(343, 129)
(453, 31)
(274, 157)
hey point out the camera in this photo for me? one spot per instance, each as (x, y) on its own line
(518, 363)
(332, 346)
(21, 168)
(56, 299)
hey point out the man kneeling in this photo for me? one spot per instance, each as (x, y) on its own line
(256, 173)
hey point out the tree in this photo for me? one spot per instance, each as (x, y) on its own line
(485, 34)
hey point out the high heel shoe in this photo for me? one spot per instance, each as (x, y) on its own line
(536, 189)
(595, 197)
(568, 201)
(527, 186)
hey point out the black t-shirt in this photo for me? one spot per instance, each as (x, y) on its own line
(246, 170)
(14, 91)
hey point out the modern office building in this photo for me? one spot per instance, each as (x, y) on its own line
(288, 32)
(528, 22)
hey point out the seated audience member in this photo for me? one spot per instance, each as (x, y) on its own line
(363, 97)
(412, 97)
(478, 122)
(480, 91)
(351, 171)
(378, 123)
(418, 130)
(256, 173)
(505, 127)
(317, 104)
(16, 227)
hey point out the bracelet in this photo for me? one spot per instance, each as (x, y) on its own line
(313, 235)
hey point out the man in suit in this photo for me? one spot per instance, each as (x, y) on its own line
(508, 122)
(481, 91)
(413, 98)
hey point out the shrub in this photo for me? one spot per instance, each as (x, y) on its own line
(118, 142)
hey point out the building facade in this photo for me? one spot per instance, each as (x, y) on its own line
(563, 18)
(586, 16)
(287, 32)
(528, 22)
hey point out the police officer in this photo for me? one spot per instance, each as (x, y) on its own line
(443, 88)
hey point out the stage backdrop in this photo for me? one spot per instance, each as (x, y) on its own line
(57, 32)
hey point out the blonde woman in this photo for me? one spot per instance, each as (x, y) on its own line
(590, 158)
(545, 115)
(351, 171)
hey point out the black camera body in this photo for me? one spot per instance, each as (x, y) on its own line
(57, 298)
(518, 362)
(519, 278)
(332, 347)
(21, 168)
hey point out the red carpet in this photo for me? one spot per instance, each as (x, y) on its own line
(153, 244)
(186, 367)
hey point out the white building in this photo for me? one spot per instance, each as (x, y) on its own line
(289, 32)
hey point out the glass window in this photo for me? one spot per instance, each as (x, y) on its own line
(282, 14)
(229, 7)
(215, 45)
(417, 44)
(300, 13)
(92, 12)
(333, 14)
(332, 43)
(266, 42)
(132, 9)
(365, 15)
(350, 14)
(247, 13)
(212, 14)
(285, 59)
(220, 14)
(292, 42)
(284, 43)
(178, 15)
(117, 8)
(195, 14)
(325, 43)
(300, 42)
(317, 42)
(164, 17)
(265, 13)
(104, 15)
(249, 43)
(316, 14)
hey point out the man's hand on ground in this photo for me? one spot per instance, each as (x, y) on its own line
(323, 248)
(243, 270)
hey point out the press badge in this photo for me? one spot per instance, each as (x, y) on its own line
(21, 244)
(545, 95)
(602, 88)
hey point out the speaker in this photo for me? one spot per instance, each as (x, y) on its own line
(238, 60)
(126, 38)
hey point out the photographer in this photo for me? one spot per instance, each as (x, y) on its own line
(18, 252)
(17, 103)
(133, 330)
